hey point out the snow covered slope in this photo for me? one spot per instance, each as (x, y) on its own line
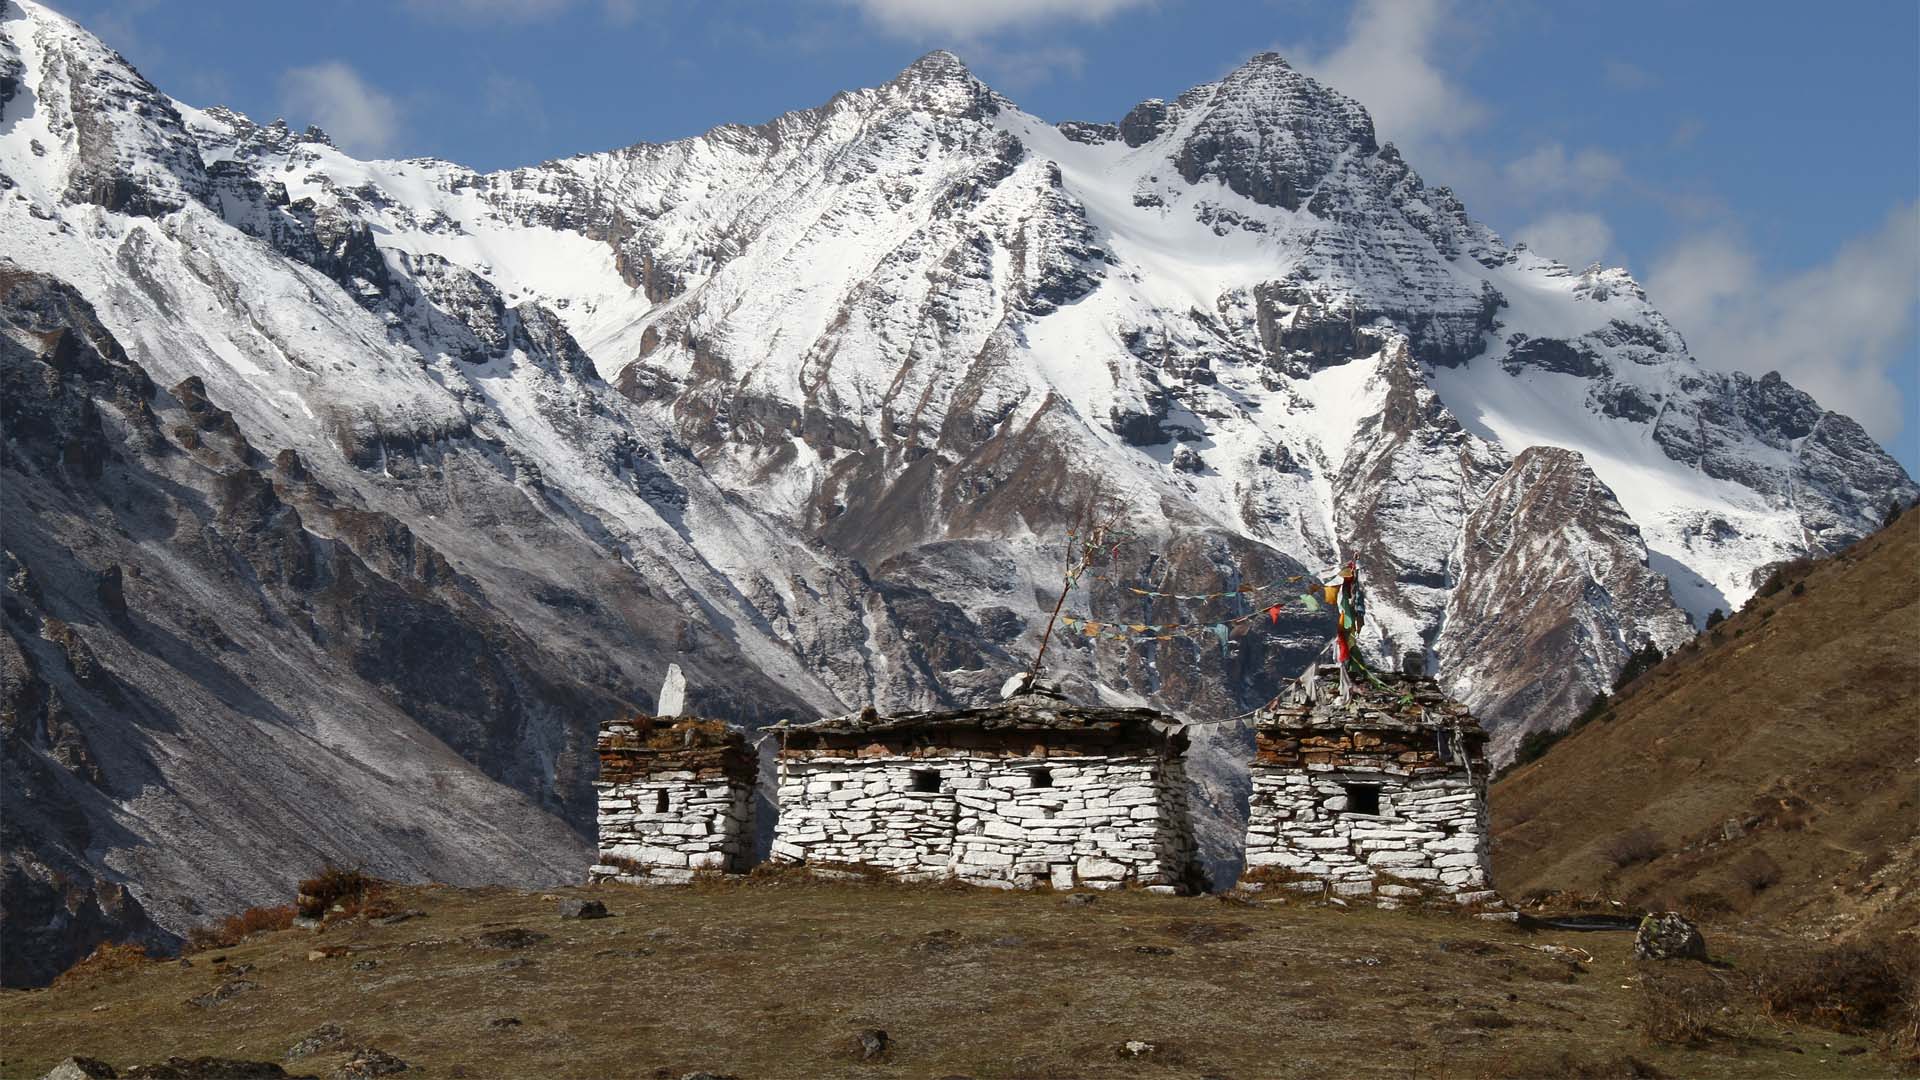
(807, 406)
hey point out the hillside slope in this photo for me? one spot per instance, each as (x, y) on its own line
(1775, 759)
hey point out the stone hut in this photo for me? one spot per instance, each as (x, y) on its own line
(676, 796)
(1382, 797)
(1029, 791)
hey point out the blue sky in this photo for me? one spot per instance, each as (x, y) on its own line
(1756, 165)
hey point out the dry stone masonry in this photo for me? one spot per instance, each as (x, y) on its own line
(1031, 791)
(676, 797)
(1382, 797)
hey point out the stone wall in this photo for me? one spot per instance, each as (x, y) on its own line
(1096, 820)
(1429, 832)
(674, 800)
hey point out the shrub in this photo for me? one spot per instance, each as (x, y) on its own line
(1757, 871)
(106, 959)
(1563, 1064)
(1273, 875)
(1705, 903)
(1679, 1005)
(1782, 574)
(1715, 618)
(1641, 661)
(233, 929)
(1637, 845)
(631, 866)
(1535, 744)
(348, 888)
(1857, 988)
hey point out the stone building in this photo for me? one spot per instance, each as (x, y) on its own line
(676, 796)
(1383, 797)
(1029, 791)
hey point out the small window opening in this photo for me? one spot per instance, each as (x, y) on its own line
(660, 801)
(926, 780)
(1444, 744)
(837, 785)
(1039, 777)
(1363, 799)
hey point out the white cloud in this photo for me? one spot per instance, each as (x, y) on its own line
(360, 118)
(1574, 237)
(1387, 64)
(1549, 168)
(975, 19)
(1835, 330)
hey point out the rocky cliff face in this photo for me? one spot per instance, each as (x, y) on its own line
(410, 474)
(1549, 567)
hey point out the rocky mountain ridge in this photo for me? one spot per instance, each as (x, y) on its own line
(806, 407)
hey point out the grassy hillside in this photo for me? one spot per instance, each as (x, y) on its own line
(1769, 771)
(770, 977)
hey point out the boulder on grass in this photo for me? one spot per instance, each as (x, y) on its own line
(1668, 936)
(81, 1068)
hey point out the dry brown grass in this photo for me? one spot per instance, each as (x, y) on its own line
(105, 961)
(336, 886)
(234, 929)
(771, 975)
(1681, 1002)
(1633, 847)
(1783, 737)
(1862, 987)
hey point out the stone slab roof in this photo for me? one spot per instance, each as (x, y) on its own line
(1404, 702)
(1014, 725)
(635, 747)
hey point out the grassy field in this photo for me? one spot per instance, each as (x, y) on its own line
(776, 977)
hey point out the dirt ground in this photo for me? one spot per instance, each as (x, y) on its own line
(764, 978)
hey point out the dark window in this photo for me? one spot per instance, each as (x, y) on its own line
(926, 780)
(660, 801)
(1363, 798)
(1444, 744)
(1039, 777)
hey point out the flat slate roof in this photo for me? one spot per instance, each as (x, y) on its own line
(1401, 702)
(1030, 720)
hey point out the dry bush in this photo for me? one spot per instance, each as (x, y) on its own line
(1680, 1005)
(1273, 875)
(1705, 904)
(1571, 1065)
(107, 958)
(1858, 988)
(233, 929)
(1903, 1039)
(347, 888)
(1633, 847)
(1757, 871)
